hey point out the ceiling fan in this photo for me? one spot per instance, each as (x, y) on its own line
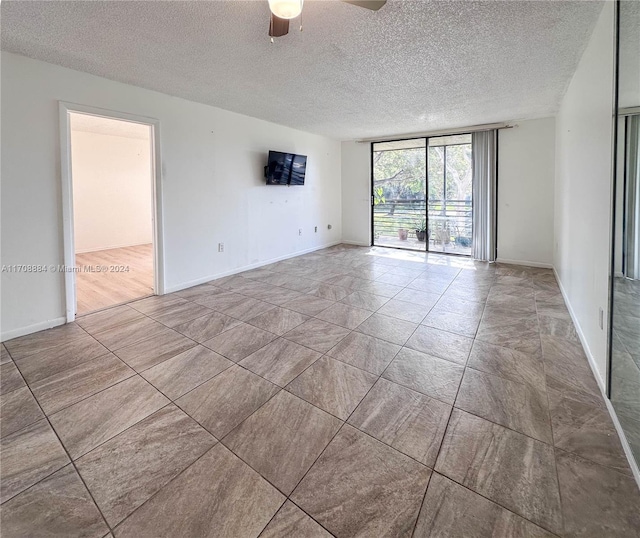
(282, 11)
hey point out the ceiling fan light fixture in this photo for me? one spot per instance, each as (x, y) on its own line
(286, 9)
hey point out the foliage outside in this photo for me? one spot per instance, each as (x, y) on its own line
(401, 173)
(399, 190)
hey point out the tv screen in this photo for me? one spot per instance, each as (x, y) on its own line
(285, 168)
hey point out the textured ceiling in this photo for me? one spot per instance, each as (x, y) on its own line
(412, 66)
(94, 124)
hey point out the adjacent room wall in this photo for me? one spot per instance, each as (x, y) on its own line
(583, 190)
(112, 191)
(212, 182)
(525, 193)
(526, 169)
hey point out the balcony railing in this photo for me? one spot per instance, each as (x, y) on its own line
(450, 221)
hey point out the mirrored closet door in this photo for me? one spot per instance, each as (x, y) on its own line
(624, 372)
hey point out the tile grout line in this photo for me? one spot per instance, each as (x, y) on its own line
(109, 352)
(281, 388)
(198, 343)
(357, 429)
(288, 497)
(133, 374)
(304, 512)
(128, 427)
(579, 456)
(138, 374)
(446, 429)
(71, 461)
(220, 441)
(510, 510)
(462, 485)
(563, 397)
(553, 440)
(379, 377)
(121, 522)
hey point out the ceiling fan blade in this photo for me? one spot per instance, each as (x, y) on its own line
(373, 5)
(278, 27)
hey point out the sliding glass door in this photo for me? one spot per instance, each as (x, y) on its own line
(399, 194)
(421, 194)
(450, 194)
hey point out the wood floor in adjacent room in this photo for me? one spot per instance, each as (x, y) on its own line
(100, 289)
(350, 392)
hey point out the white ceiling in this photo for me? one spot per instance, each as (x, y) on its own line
(413, 66)
(108, 126)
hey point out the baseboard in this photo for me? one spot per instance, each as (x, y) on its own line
(22, 331)
(601, 383)
(356, 243)
(581, 336)
(525, 262)
(203, 280)
(625, 445)
(87, 251)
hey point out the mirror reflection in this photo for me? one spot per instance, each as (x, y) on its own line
(625, 321)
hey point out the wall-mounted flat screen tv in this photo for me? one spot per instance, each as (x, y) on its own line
(285, 168)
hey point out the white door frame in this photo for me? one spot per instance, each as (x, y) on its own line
(67, 196)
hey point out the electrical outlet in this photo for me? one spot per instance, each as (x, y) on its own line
(329, 226)
(601, 318)
(220, 247)
(300, 231)
(316, 229)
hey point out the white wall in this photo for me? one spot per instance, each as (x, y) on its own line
(526, 170)
(583, 189)
(212, 181)
(356, 197)
(112, 191)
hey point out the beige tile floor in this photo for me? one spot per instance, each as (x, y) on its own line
(348, 392)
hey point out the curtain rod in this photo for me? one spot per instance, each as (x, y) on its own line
(442, 132)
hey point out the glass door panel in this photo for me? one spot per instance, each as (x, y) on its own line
(399, 194)
(450, 213)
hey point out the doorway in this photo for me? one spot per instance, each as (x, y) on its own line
(109, 204)
(422, 194)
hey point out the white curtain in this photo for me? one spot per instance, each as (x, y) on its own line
(632, 199)
(485, 191)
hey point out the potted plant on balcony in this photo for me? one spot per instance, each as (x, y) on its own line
(462, 238)
(463, 241)
(421, 230)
